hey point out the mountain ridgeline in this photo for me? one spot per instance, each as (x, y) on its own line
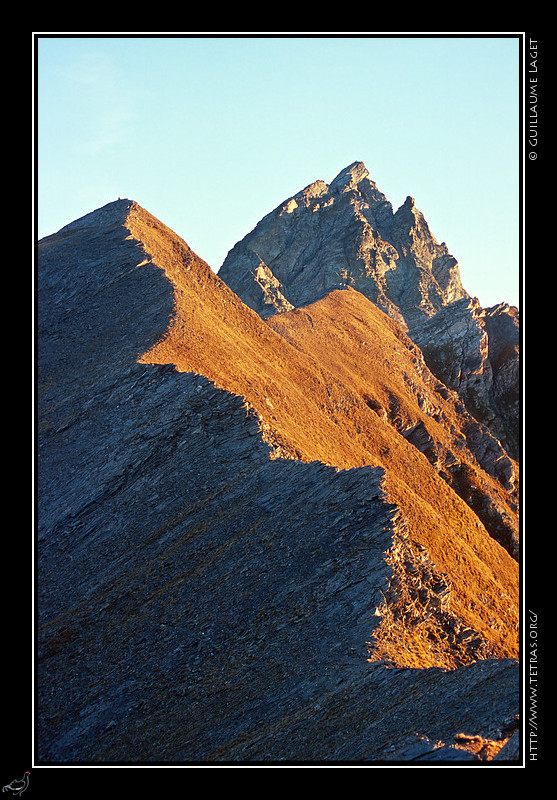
(277, 505)
(346, 234)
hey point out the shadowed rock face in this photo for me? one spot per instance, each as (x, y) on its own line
(476, 352)
(234, 564)
(346, 234)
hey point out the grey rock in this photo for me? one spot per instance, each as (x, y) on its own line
(200, 599)
(346, 234)
(475, 351)
(511, 750)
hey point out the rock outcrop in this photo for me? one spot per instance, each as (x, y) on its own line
(251, 546)
(347, 234)
(476, 352)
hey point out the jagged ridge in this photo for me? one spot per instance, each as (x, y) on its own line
(301, 391)
(347, 234)
(173, 538)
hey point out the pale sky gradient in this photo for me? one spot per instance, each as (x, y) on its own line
(211, 133)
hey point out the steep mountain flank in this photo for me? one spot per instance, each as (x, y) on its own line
(346, 234)
(378, 363)
(326, 237)
(247, 533)
(475, 351)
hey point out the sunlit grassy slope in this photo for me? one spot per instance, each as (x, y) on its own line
(320, 379)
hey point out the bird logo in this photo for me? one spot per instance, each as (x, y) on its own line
(17, 787)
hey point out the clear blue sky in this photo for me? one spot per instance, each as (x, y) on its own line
(209, 134)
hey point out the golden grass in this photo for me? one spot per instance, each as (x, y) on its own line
(309, 375)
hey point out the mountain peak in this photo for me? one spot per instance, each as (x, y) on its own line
(350, 175)
(113, 212)
(215, 489)
(346, 234)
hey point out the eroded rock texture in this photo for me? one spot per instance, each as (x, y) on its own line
(476, 351)
(242, 556)
(347, 234)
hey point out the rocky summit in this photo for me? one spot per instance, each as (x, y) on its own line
(268, 530)
(344, 234)
(347, 234)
